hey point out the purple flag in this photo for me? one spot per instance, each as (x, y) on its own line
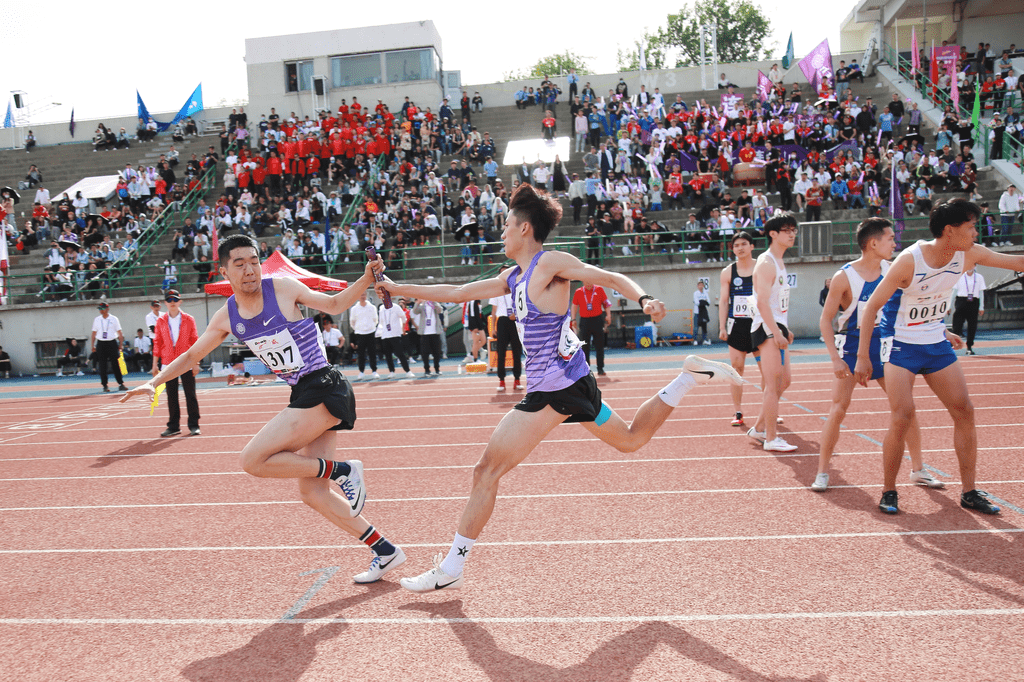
(817, 66)
(896, 207)
(764, 86)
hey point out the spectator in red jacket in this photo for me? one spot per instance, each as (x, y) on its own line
(176, 333)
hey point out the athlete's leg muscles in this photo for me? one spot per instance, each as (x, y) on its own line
(630, 437)
(273, 452)
(515, 437)
(842, 392)
(950, 387)
(738, 360)
(322, 494)
(912, 438)
(774, 374)
(900, 390)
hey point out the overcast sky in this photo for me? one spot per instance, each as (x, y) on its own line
(94, 57)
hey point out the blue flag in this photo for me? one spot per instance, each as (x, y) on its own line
(787, 59)
(9, 118)
(71, 126)
(193, 106)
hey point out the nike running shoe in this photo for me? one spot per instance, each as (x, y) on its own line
(890, 502)
(707, 370)
(434, 579)
(738, 421)
(353, 487)
(820, 484)
(978, 501)
(778, 445)
(922, 477)
(379, 566)
(759, 436)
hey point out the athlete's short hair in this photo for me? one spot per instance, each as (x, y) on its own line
(871, 228)
(742, 234)
(235, 241)
(953, 212)
(543, 213)
(778, 221)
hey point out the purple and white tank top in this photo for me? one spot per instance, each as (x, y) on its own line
(291, 350)
(553, 360)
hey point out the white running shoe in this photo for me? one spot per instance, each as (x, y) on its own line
(60, 373)
(922, 477)
(708, 370)
(376, 376)
(410, 374)
(353, 487)
(778, 445)
(820, 483)
(380, 566)
(434, 579)
(79, 373)
(707, 342)
(759, 436)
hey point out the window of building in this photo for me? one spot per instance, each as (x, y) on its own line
(298, 76)
(411, 65)
(363, 69)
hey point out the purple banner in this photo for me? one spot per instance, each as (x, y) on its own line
(849, 145)
(817, 66)
(764, 86)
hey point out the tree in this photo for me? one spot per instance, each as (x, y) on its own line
(743, 30)
(556, 64)
(654, 54)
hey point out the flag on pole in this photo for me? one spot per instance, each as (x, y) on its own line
(3, 266)
(9, 118)
(896, 206)
(787, 59)
(71, 126)
(643, 58)
(915, 54)
(976, 112)
(817, 66)
(764, 86)
(954, 92)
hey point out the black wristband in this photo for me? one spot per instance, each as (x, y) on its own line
(645, 296)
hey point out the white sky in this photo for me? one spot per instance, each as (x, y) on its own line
(93, 57)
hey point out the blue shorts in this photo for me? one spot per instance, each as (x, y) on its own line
(847, 346)
(922, 358)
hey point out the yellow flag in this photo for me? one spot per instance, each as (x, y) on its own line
(156, 399)
(121, 364)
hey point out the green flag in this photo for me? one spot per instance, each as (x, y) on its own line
(976, 113)
(787, 59)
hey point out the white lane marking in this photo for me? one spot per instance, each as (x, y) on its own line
(538, 496)
(535, 543)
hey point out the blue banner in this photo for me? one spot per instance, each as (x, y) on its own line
(9, 118)
(191, 107)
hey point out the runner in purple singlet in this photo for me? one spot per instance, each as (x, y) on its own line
(298, 442)
(560, 387)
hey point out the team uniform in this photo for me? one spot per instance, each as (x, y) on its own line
(916, 315)
(295, 352)
(740, 319)
(778, 300)
(848, 336)
(557, 374)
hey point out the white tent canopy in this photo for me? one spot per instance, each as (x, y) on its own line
(96, 188)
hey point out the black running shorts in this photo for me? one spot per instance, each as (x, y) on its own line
(739, 334)
(581, 401)
(327, 387)
(760, 335)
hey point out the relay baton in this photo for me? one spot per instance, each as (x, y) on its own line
(371, 253)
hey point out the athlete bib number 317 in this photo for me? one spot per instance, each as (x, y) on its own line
(278, 352)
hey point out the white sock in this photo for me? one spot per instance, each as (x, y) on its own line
(453, 563)
(673, 394)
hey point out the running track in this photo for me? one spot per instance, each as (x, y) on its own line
(129, 557)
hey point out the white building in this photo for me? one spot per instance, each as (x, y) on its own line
(309, 72)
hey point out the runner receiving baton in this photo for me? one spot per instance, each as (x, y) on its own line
(298, 442)
(560, 387)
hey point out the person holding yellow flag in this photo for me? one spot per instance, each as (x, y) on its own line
(106, 341)
(175, 333)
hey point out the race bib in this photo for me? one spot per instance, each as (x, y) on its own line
(840, 343)
(885, 348)
(278, 352)
(568, 342)
(784, 299)
(742, 306)
(728, 325)
(521, 301)
(924, 313)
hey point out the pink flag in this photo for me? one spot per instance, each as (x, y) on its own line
(764, 86)
(817, 66)
(915, 54)
(954, 86)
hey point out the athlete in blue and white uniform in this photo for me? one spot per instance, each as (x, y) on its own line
(560, 387)
(916, 292)
(849, 293)
(298, 442)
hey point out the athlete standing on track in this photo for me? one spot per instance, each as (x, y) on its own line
(849, 291)
(770, 334)
(734, 311)
(299, 441)
(922, 279)
(560, 387)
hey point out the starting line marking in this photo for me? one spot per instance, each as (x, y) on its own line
(526, 620)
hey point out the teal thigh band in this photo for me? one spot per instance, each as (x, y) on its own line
(604, 415)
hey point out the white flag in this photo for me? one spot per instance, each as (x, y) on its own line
(643, 58)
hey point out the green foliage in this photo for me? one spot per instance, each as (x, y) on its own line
(558, 64)
(654, 53)
(743, 30)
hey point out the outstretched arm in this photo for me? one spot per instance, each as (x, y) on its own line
(335, 304)
(979, 255)
(566, 266)
(448, 293)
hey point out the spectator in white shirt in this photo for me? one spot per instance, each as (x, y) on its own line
(362, 319)
(333, 340)
(1010, 207)
(800, 189)
(968, 305)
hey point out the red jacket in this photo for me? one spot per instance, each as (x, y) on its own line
(187, 336)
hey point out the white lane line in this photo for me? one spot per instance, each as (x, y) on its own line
(400, 500)
(536, 543)
(528, 620)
